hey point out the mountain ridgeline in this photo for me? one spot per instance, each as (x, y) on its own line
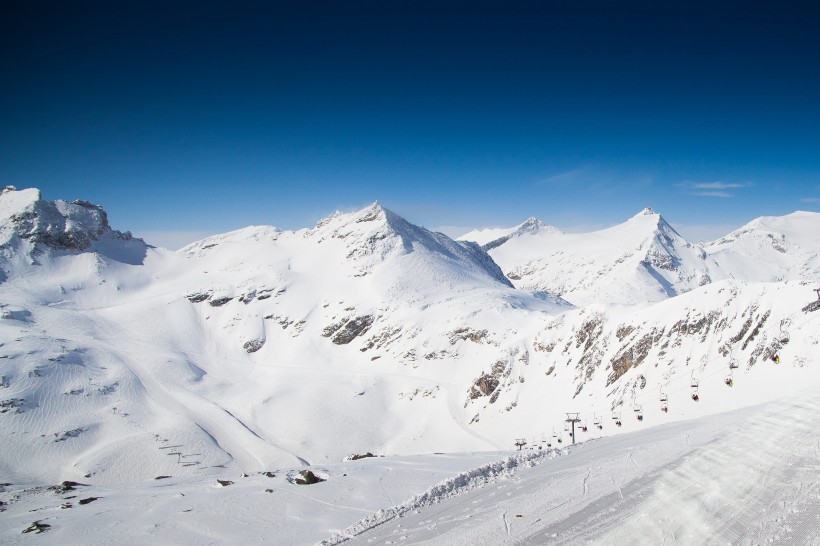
(263, 348)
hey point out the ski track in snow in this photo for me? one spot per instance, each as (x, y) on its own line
(745, 477)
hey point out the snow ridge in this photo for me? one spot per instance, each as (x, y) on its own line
(445, 489)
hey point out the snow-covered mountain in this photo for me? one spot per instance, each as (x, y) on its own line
(263, 348)
(643, 260)
(490, 238)
(771, 248)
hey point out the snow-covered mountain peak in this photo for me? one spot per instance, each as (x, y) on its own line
(57, 225)
(490, 238)
(641, 260)
(374, 234)
(771, 248)
(250, 233)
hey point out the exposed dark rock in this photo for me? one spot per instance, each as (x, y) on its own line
(352, 329)
(12, 403)
(37, 527)
(224, 483)
(356, 456)
(253, 345)
(537, 346)
(198, 297)
(487, 383)
(476, 336)
(219, 302)
(70, 486)
(306, 477)
(63, 436)
(89, 500)
(269, 474)
(756, 330)
(385, 337)
(162, 477)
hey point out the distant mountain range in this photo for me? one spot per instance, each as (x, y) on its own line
(645, 260)
(262, 348)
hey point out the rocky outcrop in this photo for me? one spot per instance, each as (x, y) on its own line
(253, 345)
(343, 332)
(58, 225)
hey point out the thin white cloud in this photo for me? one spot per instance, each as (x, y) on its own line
(811, 200)
(713, 189)
(563, 177)
(718, 185)
(723, 194)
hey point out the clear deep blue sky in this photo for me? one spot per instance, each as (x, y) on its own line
(200, 117)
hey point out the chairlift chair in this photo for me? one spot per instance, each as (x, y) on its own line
(729, 379)
(664, 402)
(694, 383)
(584, 426)
(784, 333)
(639, 412)
(616, 416)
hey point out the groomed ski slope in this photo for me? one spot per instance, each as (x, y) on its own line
(744, 477)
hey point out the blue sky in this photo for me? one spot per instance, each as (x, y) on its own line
(189, 118)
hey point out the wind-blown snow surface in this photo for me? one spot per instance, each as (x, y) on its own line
(270, 350)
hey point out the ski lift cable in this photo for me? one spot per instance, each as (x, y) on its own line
(774, 326)
(687, 386)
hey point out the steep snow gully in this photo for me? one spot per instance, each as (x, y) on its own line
(744, 477)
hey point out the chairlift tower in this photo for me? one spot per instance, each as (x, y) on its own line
(573, 418)
(815, 305)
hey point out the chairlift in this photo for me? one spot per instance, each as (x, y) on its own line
(638, 412)
(732, 360)
(729, 379)
(664, 399)
(784, 332)
(616, 416)
(694, 383)
(597, 422)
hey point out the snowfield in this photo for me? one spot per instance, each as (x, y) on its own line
(150, 376)
(745, 477)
